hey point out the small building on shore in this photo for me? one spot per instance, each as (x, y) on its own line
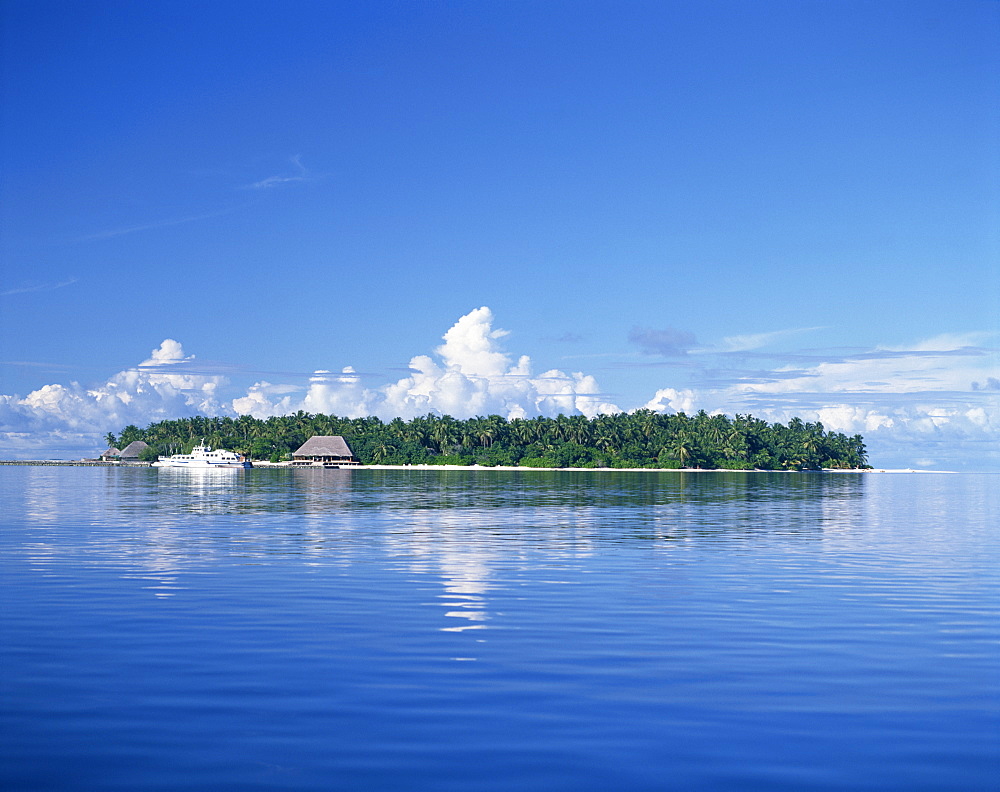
(110, 455)
(130, 453)
(325, 451)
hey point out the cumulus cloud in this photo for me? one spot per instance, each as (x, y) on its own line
(936, 400)
(74, 417)
(469, 374)
(327, 393)
(671, 400)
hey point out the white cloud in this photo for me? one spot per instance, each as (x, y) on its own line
(744, 343)
(926, 401)
(72, 418)
(340, 395)
(671, 399)
(470, 374)
(948, 342)
(263, 399)
(167, 353)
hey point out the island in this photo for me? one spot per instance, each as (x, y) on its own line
(641, 439)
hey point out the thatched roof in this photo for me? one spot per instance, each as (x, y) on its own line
(325, 445)
(133, 449)
(111, 452)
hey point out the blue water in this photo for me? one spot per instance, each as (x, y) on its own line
(487, 630)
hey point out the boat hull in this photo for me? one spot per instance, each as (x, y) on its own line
(198, 464)
(202, 457)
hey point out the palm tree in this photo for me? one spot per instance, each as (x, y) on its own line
(682, 448)
(398, 428)
(605, 441)
(380, 452)
(485, 432)
(443, 433)
(579, 429)
(522, 431)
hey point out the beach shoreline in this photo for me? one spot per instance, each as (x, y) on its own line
(516, 468)
(592, 469)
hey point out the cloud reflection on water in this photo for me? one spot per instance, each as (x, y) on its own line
(474, 530)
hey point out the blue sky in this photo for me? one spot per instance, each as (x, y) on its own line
(782, 208)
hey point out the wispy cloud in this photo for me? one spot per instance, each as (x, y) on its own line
(275, 181)
(741, 343)
(117, 232)
(669, 342)
(565, 338)
(34, 364)
(934, 399)
(955, 341)
(38, 287)
(678, 363)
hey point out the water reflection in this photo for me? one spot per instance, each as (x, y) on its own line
(751, 623)
(460, 525)
(41, 497)
(465, 585)
(164, 493)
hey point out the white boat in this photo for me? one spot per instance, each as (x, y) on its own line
(202, 457)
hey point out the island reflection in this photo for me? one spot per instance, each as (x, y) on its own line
(460, 526)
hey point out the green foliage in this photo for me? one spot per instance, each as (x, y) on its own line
(449, 459)
(639, 439)
(538, 462)
(130, 434)
(149, 454)
(734, 464)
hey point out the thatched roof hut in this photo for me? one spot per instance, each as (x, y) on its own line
(130, 453)
(325, 449)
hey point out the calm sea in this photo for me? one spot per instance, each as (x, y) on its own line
(486, 630)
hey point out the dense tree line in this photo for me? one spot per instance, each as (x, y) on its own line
(623, 440)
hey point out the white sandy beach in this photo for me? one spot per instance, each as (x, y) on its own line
(595, 470)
